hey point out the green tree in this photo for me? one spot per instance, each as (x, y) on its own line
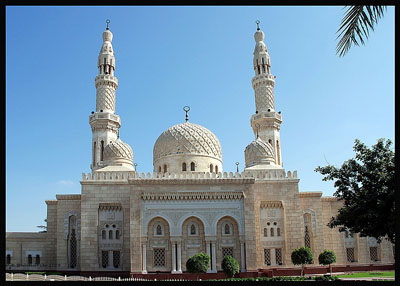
(355, 24)
(198, 263)
(230, 266)
(327, 258)
(365, 184)
(302, 255)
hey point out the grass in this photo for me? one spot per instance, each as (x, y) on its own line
(368, 274)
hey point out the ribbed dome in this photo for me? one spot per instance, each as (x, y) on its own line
(259, 152)
(187, 138)
(118, 150)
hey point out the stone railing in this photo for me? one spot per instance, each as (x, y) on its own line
(124, 176)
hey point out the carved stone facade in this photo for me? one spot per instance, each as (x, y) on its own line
(141, 223)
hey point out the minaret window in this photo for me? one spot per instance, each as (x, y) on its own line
(216, 169)
(159, 169)
(117, 234)
(265, 232)
(165, 168)
(103, 234)
(258, 68)
(263, 68)
(272, 232)
(211, 168)
(278, 232)
(94, 154)
(278, 153)
(184, 167)
(192, 167)
(110, 234)
(102, 150)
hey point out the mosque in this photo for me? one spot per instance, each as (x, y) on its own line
(143, 223)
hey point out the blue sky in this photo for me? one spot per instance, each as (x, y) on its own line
(169, 57)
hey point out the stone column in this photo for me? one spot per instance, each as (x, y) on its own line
(208, 252)
(110, 259)
(273, 258)
(173, 257)
(214, 258)
(144, 259)
(179, 270)
(242, 258)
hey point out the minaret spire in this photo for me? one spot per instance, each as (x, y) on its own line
(265, 122)
(105, 124)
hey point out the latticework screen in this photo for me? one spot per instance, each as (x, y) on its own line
(350, 254)
(116, 259)
(159, 256)
(267, 256)
(373, 253)
(73, 250)
(227, 251)
(307, 240)
(278, 256)
(104, 259)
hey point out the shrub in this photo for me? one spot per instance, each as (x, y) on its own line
(327, 258)
(230, 266)
(302, 256)
(198, 263)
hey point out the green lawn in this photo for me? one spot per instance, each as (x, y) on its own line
(368, 274)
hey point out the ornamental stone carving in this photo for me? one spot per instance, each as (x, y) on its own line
(118, 150)
(187, 138)
(259, 152)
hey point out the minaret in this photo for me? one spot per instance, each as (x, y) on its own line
(105, 124)
(265, 119)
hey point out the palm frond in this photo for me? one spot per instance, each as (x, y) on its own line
(355, 26)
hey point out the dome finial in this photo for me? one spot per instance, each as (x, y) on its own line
(108, 22)
(258, 23)
(186, 109)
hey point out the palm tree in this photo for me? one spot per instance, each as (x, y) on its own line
(44, 227)
(356, 23)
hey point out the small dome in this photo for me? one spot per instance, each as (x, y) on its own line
(187, 141)
(107, 36)
(118, 151)
(259, 152)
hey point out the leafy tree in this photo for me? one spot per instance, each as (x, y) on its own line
(198, 263)
(302, 255)
(356, 23)
(230, 266)
(44, 227)
(327, 258)
(366, 187)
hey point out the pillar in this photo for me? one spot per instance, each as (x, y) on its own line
(214, 258)
(242, 258)
(173, 257)
(179, 270)
(144, 259)
(208, 252)
(273, 257)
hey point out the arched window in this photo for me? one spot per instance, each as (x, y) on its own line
(265, 232)
(192, 229)
(272, 231)
(278, 232)
(117, 234)
(227, 229)
(37, 260)
(103, 234)
(192, 166)
(159, 169)
(29, 259)
(8, 259)
(102, 150)
(94, 153)
(165, 168)
(263, 68)
(216, 169)
(258, 68)
(184, 167)
(211, 168)
(269, 141)
(110, 235)
(158, 230)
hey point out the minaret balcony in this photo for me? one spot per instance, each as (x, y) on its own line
(98, 116)
(269, 114)
(106, 77)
